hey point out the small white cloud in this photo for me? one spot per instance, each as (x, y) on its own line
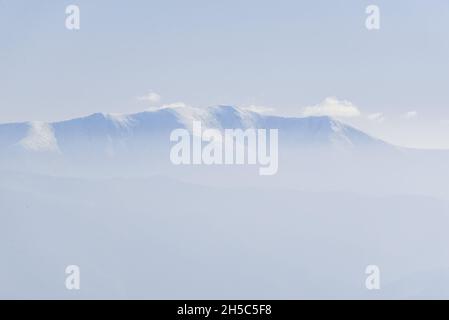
(410, 115)
(259, 109)
(151, 97)
(378, 117)
(175, 105)
(332, 107)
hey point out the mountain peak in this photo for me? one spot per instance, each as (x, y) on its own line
(104, 130)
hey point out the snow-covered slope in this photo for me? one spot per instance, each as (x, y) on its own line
(111, 134)
(318, 153)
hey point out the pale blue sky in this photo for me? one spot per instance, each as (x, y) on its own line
(281, 54)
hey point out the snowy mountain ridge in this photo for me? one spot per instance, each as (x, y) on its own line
(105, 129)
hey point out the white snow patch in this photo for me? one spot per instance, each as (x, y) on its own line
(41, 137)
(339, 136)
(187, 114)
(119, 120)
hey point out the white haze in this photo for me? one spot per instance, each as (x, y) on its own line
(109, 200)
